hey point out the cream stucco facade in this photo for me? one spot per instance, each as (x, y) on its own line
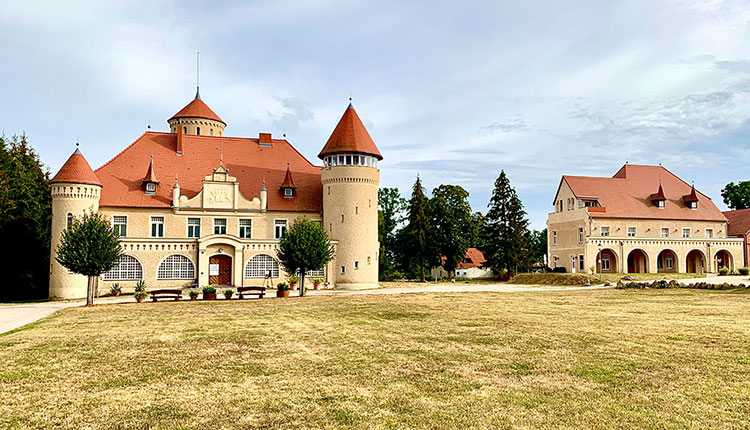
(580, 242)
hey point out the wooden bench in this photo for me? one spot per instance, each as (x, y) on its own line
(259, 291)
(166, 294)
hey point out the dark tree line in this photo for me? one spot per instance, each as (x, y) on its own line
(424, 232)
(25, 213)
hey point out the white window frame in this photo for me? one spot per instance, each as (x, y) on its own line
(605, 262)
(685, 230)
(669, 262)
(222, 229)
(580, 234)
(117, 226)
(278, 225)
(601, 231)
(259, 265)
(663, 230)
(245, 231)
(195, 234)
(157, 226)
(288, 192)
(176, 266)
(709, 233)
(127, 268)
(554, 238)
(635, 231)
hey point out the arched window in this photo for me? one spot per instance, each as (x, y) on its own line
(210, 131)
(198, 131)
(258, 266)
(176, 266)
(126, 269)
(69, 220)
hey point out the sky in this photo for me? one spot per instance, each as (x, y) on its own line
(453, 92)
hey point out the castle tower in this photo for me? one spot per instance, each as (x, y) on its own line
(198, 119)
(350, 202)
(75, 190)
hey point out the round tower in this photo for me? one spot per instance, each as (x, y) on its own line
(198, 119)
(75, 190)
(350, 202)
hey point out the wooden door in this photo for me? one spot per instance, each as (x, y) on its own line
(220, 270)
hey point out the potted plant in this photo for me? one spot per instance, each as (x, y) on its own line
(293, 280)
(724, 271)
(228, 294)
(316, 283)
(282, 290)
(209, 293)
(193, 295)
(140, 291)
(115, 289)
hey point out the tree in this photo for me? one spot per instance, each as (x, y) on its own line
(303, 247)
(737, 196)
(538, 246)
(506, 246)
(452, 220)
(476, 233)
(89, 247)
(390, 214)
(416, 238)
(25, 213)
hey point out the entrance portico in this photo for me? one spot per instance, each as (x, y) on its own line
(220, 260)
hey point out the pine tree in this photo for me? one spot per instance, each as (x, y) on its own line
(25, 212)
(417, 235)
(506, 244)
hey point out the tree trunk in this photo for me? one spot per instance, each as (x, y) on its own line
(302, 284)
(90, 291)
(421, 270)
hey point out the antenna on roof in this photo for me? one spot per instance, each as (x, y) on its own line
(148, 126)
(198, 76)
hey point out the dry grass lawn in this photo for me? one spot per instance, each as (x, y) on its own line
(598, 359)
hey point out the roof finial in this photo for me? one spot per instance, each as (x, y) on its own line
(198, 76)
(350, 99)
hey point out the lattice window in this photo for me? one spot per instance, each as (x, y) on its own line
(176, 267)
(316, 273)
(258, 267)
(127, 268)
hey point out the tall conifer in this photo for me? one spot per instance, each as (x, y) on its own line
(506, 246)
(417, 234)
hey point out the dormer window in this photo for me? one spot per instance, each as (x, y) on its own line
(660, 204)
(151, 188)
(287, 187)
(150, 181)
(288, 193)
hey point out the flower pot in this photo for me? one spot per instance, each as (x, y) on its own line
(293, 286)
(193, 298)
(209, 296)
(117, 293)
(316, 287)
(282, 293)
(227, 297)
(139, 299)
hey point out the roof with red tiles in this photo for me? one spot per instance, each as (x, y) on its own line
(628, 195)
(246, 160)
(350, 135)
(288, 180)
(739, 222)
(197, 109)
(76, 171)
(473, 258)
(150, 174)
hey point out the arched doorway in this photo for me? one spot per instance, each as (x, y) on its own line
(723, 259)
(220, 270)
(695, 262)
(606, 261)
(666, 262)
(637, 261)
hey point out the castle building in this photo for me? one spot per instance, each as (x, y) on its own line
(194, 207)
(644, 219)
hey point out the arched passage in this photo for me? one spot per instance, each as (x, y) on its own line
(606, 261)
(666, 262)
(637, 261)
(695, 262)
(723, 258)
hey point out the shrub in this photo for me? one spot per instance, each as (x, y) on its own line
(140, 286)
(559, 270)
(209, 290)
(317, 281)
(551, 279)
(282, 286)
(228, 293)
(744, 271)
(293, 279)
(115, 288)
(193, 293)
(724, 271)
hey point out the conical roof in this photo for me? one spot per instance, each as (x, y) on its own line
(350, 135)
(197, 109)
(76, 171)
(150, 174)
(659, 194)
(288, 181)
(692, 197)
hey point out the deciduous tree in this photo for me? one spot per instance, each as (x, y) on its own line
(89, 247)
(737, 196)
(303, 247)
(452, 221)
(390, 214)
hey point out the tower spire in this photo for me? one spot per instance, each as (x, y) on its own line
(198, 75)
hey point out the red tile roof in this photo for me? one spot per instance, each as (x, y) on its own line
(628, 195)
(350, 135)
(245, 158)
(197, 109)
(76, 171)
(473, 258)
(150, 174)
(739, 222)
(288, 181)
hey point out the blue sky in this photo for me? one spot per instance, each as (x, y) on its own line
(453, 91)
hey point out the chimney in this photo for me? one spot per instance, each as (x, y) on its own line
(176, 195)
(179, 139)
(264, 139)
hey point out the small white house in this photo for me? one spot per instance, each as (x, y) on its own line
(471, 267)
